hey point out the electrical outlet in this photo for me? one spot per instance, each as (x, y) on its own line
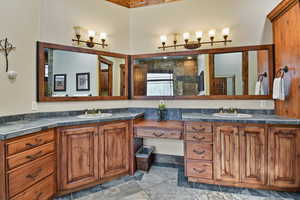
(34, 106)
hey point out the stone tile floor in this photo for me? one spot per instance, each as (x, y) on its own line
(164, 183)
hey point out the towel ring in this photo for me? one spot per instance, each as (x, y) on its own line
(282, 71)
(261, 76)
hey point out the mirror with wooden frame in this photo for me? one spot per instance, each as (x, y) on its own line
(227, 73)
(76, 74)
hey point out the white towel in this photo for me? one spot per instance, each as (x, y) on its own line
(278, 89)
(259, 90)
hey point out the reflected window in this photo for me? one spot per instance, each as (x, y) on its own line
(160, 84)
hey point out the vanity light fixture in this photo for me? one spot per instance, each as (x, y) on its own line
(91, 35)
(195, 44)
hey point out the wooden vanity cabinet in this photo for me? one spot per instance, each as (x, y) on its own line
(284, 157)
(79, 157)
(226, 153)
(114, 146)
(92, 154)
(246, 155)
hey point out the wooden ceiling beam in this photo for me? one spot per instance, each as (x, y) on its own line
(139, 3)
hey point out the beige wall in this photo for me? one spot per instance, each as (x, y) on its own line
(129, 31)
(246, 18)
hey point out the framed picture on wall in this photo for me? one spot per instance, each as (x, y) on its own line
(60, 82)
(83, 81)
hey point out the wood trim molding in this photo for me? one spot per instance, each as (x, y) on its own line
(41, 73)
(281, 8)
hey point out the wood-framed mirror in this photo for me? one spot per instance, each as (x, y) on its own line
(222, 73)
(67, 73)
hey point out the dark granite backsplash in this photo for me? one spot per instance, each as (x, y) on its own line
(149, 113)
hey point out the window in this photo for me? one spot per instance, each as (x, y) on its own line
(160, 84)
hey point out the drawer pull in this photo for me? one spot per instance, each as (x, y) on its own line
(38, 142)
(34, 174)
(199, 171)
(287, 132)
(34, 156)
(199, 139)
(198, 129)
(31, 145)
(198, 152)
(158, 134)
(39, 196)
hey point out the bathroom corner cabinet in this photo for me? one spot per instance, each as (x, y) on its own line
(243, 155)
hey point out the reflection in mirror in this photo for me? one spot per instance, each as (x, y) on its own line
(74, 74)
(170, 76)
(258, 72)
(228, 75)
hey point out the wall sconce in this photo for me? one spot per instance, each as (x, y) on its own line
(188, 44)
(6, 47)
(91, 35)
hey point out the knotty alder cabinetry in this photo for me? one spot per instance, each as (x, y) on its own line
(92, 154)
(243, 155)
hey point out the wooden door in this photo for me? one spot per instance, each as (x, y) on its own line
(140, 80)
(220, 86)
(79, 157)
(114, 142)
(253, 154)
(226, 153)
(105, 77)
(283, 159)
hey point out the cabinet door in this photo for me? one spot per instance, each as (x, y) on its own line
(253, 151)
(114, 141)
(226, 153)
(79, 157)
(284, 170)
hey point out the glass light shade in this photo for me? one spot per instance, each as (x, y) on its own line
(199, 34)
(163, 38)
(226, 31)
(91, 33)
(212, 33)
(103, 36)
(77, 30)
(186, 36)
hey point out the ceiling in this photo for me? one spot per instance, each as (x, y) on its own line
(139, 3)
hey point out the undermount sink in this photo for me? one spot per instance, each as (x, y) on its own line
(232, 115)
(95, 116)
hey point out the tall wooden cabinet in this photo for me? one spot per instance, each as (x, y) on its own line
(286, 28)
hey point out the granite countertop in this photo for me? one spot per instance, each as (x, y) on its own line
(255, 119)
(17, 128)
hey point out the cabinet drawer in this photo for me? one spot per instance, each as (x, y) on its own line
(30, 142)
(199, 169)
(30, 155)
(43, 190)
(196, 137)
(158, 133)
(199, 151)
(23, 177)
(198, 127)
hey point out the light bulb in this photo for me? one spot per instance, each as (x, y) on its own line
(212, 33)
(91, 33)
(103, 36)
(226, 32)
(199, 34)
(77, 30)
(186, 36)
(163, 38)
